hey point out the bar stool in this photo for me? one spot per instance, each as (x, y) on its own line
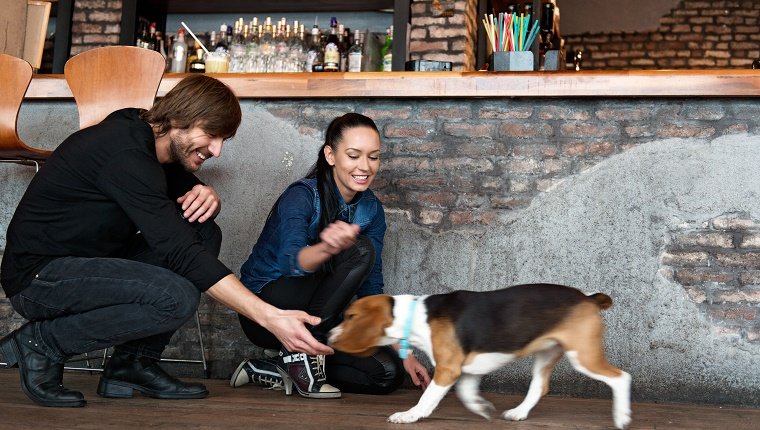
(15, 75)
(107, 79)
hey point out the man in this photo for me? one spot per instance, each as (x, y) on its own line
(114, 241)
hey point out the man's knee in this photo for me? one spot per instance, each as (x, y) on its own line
(180, 298)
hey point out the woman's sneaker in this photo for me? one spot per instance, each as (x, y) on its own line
(260, 371)
(307, 373)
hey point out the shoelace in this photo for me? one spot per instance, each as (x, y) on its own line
(319, 366)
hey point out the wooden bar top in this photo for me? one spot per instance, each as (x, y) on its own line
(633, 83)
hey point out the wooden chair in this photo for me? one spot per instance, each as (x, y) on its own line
(15, 75)
(106, 79)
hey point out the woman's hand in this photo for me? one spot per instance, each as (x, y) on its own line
(201, 204)
(417, 372)
(338, 236)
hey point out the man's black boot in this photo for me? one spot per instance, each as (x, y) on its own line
(41, 377)
(127, 372)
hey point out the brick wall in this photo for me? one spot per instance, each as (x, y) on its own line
(717, 261)
(694, 35)
(438, 35)
(95, 23)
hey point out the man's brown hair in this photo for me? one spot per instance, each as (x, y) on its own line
(197, 100)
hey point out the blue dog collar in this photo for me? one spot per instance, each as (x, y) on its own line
(404, 342)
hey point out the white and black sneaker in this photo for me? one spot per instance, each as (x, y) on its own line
(259, 371)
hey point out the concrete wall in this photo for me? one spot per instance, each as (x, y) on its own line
(641, 199)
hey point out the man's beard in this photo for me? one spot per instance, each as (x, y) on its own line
(178, 153)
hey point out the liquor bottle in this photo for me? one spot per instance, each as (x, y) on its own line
(356, 53)
(150, 43)
(252, 46)
(142, 35)
(386, 51)
(315, 54)
(179, 53)
(332, 48)
(296, 50)
(197, 65)
(238, 49)
(266, 48)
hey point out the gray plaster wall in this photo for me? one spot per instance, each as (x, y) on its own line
(602, 230)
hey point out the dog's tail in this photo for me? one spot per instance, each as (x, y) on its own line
(602, 300)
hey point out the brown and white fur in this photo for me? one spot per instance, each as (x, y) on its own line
(469, 334)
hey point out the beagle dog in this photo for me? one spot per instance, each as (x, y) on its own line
(468, 334)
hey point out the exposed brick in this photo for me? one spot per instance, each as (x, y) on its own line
(445, 112)
(750, 296)
(685, 258)
(506, 113)
(407, 130)
(702, 276)
(395, 113)
(683, 130)
(750, 277)
(623, 114)
(702, 238)
(588, 129)
(430, 217)
(469, 130)
(733, 221)
(750, 241)
(738, 313)
(524, 131)
(749, 260)
(563, 113)
(424, 147)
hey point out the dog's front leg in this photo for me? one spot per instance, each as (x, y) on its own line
(428, 402)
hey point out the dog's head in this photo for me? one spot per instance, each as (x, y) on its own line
(363, 326)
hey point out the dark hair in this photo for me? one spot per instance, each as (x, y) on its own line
(197, 100)
(323, 171)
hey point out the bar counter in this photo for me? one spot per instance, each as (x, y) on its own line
(638, 83)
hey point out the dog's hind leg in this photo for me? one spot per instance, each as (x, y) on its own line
(543, 364)
(598, 368)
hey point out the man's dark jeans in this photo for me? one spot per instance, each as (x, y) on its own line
(85, 304)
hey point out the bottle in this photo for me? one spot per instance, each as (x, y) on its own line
(296, 50)
(386, 52)
(356, 53)
(179, 53)
(332, 48)
(197, 65)
(238, 48)
(266, 49)
(315, 55)
(252, 46)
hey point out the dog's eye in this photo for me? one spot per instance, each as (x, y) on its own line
(349, 317)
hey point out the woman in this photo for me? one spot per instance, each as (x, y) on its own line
(321, 246)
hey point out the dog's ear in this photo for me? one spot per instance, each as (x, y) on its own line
(364, 324)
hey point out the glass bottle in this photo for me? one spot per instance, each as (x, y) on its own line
(386, 52)
(179, 53)
(332, 48)
(315, 55)
(238, 49)
(356, 53)
(266, 49)
(197, 65)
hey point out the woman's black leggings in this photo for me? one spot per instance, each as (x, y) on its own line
(326, 294)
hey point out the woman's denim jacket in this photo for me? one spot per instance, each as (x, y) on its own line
(294, 224)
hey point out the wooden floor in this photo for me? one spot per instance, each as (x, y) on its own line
(252, 407)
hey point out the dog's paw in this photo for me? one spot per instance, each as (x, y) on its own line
(481, 407)
(405, 417)
(515, 414)
(622, 419)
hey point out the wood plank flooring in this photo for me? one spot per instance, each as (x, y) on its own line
(252, 407)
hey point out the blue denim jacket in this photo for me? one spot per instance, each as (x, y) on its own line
(294, 224)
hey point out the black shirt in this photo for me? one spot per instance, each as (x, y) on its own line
(100, 187)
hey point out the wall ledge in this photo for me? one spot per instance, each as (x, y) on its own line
(635, 83)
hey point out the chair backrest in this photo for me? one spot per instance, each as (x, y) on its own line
(15, 76)
(106, 79)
